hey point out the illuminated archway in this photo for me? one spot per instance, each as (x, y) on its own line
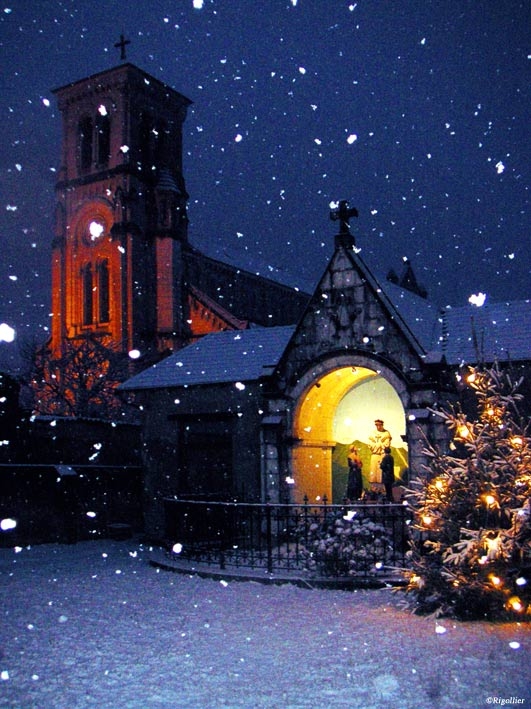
(333, 411)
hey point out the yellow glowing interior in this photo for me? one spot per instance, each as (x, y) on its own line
(340, 407)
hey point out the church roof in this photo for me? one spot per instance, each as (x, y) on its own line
(221, 357)
(494, 331)
(423, 318)
(217, 310)
(456, 335)
(466, 334)
(127, 69)
(463, 335)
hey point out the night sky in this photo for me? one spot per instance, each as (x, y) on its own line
(417, 112)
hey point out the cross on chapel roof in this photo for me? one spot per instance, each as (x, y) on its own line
(343, 214)
(122, 45)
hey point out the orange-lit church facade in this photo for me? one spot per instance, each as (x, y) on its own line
(123, 269)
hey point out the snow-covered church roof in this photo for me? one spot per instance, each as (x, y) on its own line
(467, 334)
(462, 335)
(494, 331)
(221, 357)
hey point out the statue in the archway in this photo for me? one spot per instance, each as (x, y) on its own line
(387, 467)
(355, 483)
(379, 439)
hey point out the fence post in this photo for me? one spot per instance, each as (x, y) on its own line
(269, 540)
(305, 514)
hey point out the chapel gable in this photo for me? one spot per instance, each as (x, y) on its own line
(350, 313)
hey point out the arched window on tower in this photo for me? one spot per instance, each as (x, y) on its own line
(103, 136)
(85, 142)
(161, 143)
(146, 143)
(103, 292)
(87, 286)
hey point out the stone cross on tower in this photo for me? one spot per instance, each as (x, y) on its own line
(343, 214)
(121, 45)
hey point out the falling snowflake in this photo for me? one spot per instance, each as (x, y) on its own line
(7, 333)
(477, 299)
(95, 230)
(7, 524)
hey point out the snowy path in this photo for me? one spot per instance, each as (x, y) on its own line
(94, 625)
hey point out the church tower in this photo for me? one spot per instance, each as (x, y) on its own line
(121, 220)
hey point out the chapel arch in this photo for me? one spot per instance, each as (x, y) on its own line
(335, 407)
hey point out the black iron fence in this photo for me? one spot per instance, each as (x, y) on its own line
(62, 503)
(334, 541)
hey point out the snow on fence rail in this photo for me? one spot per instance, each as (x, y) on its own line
(335, 541)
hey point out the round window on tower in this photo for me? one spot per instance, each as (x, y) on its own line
(96, 230)
(92, 223)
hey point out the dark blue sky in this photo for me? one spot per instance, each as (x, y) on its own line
(418, 112)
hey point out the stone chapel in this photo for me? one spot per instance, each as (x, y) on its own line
(250, 389)
(268, 414)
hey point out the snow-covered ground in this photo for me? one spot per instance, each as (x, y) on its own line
(94, 625)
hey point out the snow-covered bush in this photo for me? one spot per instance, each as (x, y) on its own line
(348, 544)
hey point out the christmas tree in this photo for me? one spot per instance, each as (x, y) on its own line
(471, 549)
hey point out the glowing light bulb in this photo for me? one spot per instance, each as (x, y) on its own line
(495, 580)
(515, 604)
(463, 431)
